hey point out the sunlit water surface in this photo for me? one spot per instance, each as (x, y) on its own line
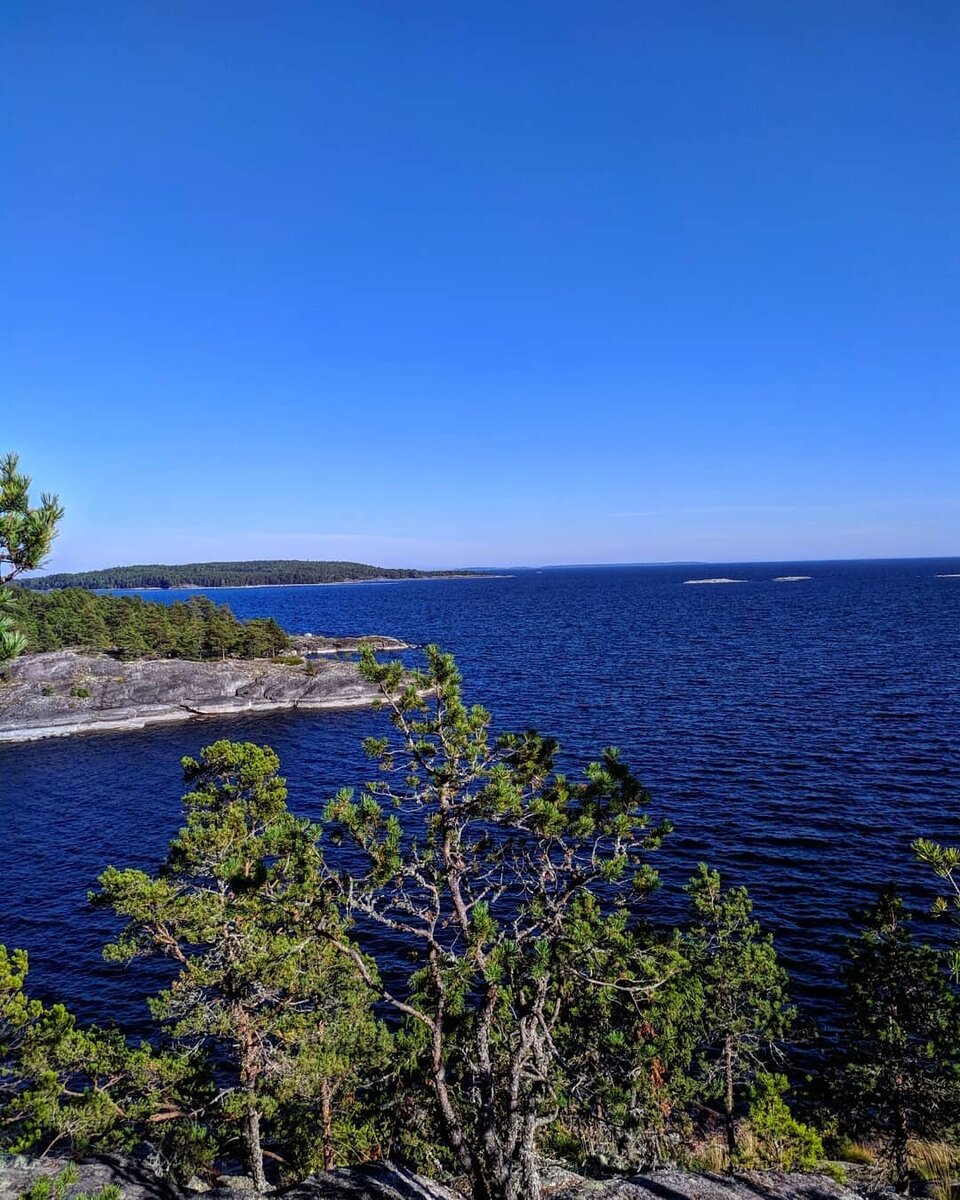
(799, 735)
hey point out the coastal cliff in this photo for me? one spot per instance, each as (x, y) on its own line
(68, 692)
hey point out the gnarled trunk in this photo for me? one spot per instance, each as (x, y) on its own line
(728, 1098)
(251, 1117)
(251, 1134)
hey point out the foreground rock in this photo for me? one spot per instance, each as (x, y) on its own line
(65, 692)
(386, 1181)
(376, 1181)
(18, 1174)
(668, 1184)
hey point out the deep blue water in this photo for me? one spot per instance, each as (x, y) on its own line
(798, 735)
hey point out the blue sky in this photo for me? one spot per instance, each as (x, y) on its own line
(442, 283)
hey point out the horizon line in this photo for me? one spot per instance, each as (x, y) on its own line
(546, 566)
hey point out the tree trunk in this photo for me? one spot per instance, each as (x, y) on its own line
(251, 1118)
(251, 1131)
(728, 1098)
(326, 1118)
(530, 1175)
(901, 1138)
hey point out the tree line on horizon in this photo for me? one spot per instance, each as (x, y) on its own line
(544, 1011)
(255, 573)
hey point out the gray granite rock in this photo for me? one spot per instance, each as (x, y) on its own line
(66, 692)
(135, 1181)
(387, 1181)
(670, 1184)
(375, 1181)
(319, 643)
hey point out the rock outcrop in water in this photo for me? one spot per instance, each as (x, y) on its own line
(67, 692)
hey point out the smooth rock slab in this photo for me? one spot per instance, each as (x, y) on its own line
(375, 1181)
(66, 692)
(18, 1175)
(688, 1185)
(387, 1181)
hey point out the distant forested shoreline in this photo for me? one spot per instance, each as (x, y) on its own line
(256, 573)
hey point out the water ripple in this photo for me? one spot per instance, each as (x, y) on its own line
(798, 737)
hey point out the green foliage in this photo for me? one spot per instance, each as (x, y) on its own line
(87, 1087)
(259, 573)
(79, 692)
(545, 1009)
(902, 1039)
(833, 1170)
(512, 899)
(627, 1044)
(745, 1014)
(241, 907)
(26, 533)
(135, 628)
(12, 640)
(779, 1141)
(706, 1023)
(60, 1186)
(945, 861)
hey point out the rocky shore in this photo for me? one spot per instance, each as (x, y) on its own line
(68, 692)
(386, 1181)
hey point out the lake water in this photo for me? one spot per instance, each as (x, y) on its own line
(799, 735)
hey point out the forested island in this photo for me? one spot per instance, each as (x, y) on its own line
(92, 662)
(256, 573)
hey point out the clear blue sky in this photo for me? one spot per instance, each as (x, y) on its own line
(440, 283)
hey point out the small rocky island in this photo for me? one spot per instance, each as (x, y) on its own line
(68, 691)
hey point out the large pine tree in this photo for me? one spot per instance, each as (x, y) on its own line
(241, 906)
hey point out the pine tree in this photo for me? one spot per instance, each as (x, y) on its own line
(26, 535)
(627, 1042)
(487, 884)
(902, 1037)
(241, 906)
(61, 1083)
(945, 861)
(13, 641)
(746, 1011)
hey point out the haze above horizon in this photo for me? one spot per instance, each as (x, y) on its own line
(429, 286)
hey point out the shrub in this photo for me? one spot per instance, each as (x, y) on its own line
(835, 1171)
(779, 1140)
(56, 1188)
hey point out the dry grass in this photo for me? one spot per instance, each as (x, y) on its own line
(939, 1164)
(856, 1152)
(711, 1155)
